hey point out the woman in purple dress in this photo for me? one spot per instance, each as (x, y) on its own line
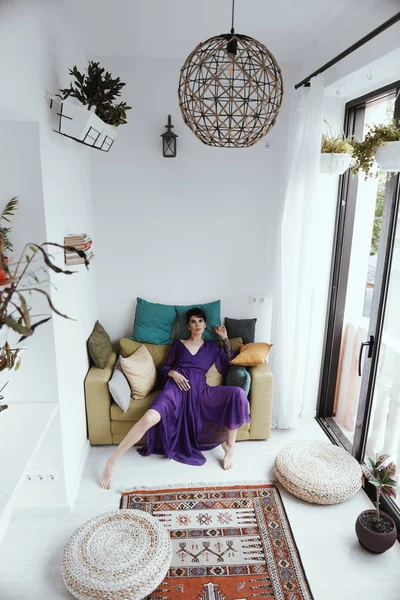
(188, 415)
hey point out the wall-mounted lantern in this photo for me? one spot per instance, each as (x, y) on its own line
(169, 141)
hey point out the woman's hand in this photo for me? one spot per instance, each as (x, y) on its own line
(180, 380)
(221, 331)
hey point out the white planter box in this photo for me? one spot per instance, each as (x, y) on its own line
(388, 157)
(334, 163)
(75, 121)
(108, 136)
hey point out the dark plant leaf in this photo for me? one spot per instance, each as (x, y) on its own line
(33, 327)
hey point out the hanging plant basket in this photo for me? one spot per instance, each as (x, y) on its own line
(387, 157)
(78, 123)
(332, 163)
(108, 136)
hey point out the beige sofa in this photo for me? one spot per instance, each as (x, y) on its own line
(108, 424)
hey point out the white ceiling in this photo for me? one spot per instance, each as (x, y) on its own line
(300, 31)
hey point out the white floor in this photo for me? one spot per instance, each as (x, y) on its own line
(335, 564)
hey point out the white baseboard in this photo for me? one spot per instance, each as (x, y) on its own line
(82, 465)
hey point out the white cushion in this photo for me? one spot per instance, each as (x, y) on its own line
(119, 387)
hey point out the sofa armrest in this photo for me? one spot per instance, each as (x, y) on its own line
(260, 398)
(98, 402)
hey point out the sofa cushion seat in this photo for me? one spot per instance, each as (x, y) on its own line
(136, 409)
(121, 428)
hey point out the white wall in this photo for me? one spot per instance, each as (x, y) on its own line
(21, 154)
(186, 230)
(36, 51)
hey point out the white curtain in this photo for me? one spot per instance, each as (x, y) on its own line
(297, 250)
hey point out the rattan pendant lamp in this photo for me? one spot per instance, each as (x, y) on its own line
(230, 90)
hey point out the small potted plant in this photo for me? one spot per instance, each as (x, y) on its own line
(8, 211)
(376, 530)
(336, 154)
(382, 144)
(92, 115)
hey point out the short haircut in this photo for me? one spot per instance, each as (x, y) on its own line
(195, 312)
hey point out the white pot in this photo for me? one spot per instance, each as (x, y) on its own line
(74, 120)
(333, 163)
(388, 157)
(108, 136)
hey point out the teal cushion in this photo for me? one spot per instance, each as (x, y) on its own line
(213, 318)
(153, 322)
(239, 377)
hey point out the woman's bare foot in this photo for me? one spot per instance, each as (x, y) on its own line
(228, 458)
(105, 481)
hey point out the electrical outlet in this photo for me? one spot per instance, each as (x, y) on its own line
(261, 299)
(252, 299)
(28, 478)
(52, 476)
(39, 476)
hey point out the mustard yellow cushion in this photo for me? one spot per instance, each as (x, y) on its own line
(159, 354)
(140, 372)
(252, 354)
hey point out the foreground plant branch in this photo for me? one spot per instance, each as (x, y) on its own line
(23, 277)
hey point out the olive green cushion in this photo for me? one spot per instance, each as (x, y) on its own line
(235, 344)
(99, 346)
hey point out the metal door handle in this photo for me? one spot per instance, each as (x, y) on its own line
(370, 345)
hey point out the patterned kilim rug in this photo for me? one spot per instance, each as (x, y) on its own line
(230, 542)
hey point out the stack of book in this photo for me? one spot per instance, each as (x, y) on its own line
(80, 241)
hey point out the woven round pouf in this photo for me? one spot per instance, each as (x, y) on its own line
(118, 555)
(318, 472)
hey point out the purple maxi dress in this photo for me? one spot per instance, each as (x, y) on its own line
(197, 419)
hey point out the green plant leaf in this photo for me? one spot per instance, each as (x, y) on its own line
(381, 459)
(18, 327)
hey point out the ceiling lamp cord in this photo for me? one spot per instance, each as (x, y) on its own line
(233, 17)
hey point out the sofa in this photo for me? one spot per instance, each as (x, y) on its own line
(108, 424)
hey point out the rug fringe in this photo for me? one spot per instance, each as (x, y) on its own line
(197, 485)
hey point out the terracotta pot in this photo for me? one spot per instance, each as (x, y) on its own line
(373, 541)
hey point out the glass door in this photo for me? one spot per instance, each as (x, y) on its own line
(383, 431)
(359, 394)
(365, 243)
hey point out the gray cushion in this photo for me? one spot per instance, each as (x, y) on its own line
(119, 387)
(99, 346)
(244, 328)
(239, 376)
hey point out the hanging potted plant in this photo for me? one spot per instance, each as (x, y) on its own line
(336, 154)
(87, 110)
(376, 530)
(8, 211)
(381, 144)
